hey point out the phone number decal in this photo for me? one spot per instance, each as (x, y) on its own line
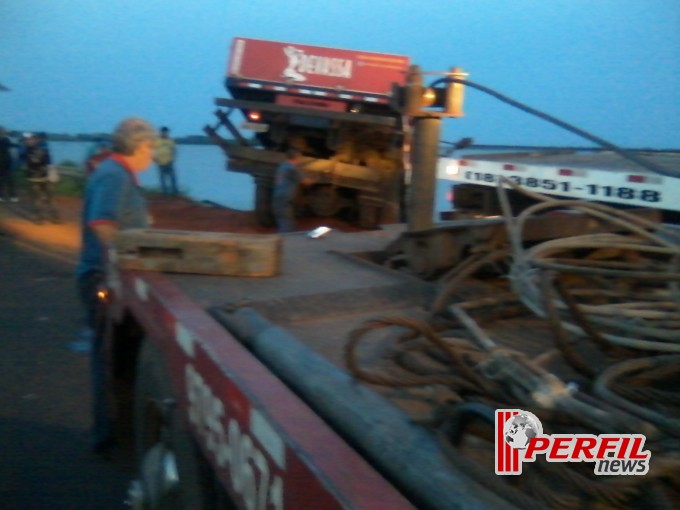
(624, 193)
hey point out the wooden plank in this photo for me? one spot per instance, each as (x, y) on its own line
(178, 251)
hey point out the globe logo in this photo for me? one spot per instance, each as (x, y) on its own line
(521, 428)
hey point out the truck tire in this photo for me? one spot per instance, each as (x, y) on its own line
(263, 204)
(324, 200)
(368, 215)
(174, 475)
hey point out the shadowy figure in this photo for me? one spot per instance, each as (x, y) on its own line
(7, 189)
(165, 152)
(98, 153)
(37, 160)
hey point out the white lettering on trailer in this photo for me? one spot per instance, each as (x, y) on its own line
(185, 339)
(141, 289)
(594, 184)
(268, 437)
(299, 64)
(234, 449)
(594, 191)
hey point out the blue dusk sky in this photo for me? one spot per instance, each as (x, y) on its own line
(611, 67)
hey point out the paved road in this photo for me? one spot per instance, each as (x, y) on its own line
(45, 462)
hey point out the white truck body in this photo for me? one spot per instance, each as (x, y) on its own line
(603, 177)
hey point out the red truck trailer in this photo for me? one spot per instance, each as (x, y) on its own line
(333, 105)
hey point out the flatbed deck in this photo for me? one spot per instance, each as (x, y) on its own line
(327, 288)
(302, 326)
(298, 325)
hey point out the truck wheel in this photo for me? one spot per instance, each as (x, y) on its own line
(368, 215)
(324, 200)
(263, 204)
(173, 474)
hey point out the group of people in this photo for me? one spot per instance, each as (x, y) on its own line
(34, 156)
(113, 201)
(32, 153)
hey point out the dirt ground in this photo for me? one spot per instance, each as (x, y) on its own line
(167, 214)
(183, 214)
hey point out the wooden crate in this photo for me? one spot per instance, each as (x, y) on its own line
(178, 251)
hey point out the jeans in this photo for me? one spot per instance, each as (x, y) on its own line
(284, 213)
(40, 192)
(7, 184)
(102, 428)
(168, 179)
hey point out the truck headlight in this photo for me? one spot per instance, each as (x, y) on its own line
(452, 169)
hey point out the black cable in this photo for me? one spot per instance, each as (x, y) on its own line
(569, 127)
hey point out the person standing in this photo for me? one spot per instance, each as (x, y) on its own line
(165, 152)
(288, 178)
(113, 201)
(97, 153)
(7, 190)
(37, 159)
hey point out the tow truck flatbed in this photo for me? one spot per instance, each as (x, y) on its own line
(297, 323)
(275, 366)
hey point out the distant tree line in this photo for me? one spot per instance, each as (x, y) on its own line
(95, 137)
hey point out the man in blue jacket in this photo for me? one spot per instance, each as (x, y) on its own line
(114, 200)
(286, 182)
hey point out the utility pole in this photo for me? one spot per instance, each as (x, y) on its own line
(426, 106)
(424, 156)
